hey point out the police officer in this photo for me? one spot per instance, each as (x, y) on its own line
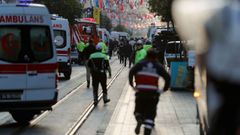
(90, 48)
(147, 45)
(103, 46)
(99, 63)
(80, 47)
(140, 52)
(146, 74)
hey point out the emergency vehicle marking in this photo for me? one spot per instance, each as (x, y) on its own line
(57, 25)
(62, 52)
(23, 68)
(22, 19)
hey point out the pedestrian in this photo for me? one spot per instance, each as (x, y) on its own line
(127, 51)
(147, 45)
(147, 73)
(222, 65)
(90, 48)
(121, 52)
(99, 63)
(80, 47)
(111, 48)
(103, 46)
(140, 52)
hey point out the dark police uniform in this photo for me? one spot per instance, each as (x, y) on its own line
(99, 63)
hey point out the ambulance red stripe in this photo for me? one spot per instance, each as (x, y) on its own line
(43, 68)
(62, 52)
(13, 68)
(22, 68)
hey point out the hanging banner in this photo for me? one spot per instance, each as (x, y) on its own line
(96, 14)
(100, 4)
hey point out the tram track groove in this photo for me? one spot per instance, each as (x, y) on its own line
(60, 101)
(41, 116)
(90, 108)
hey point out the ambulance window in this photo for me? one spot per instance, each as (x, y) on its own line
(60, 38)
(10, 43)
(41, 43)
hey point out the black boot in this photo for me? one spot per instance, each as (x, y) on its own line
(105, 99)
(95, 98)
(139, 123)
(138, 127)
(147, 131)
(88, 84)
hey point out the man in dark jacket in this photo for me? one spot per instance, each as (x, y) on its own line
(87, 52)
(127, 51)
(99, 63)
(147, 73)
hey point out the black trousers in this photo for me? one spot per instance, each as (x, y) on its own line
(227, 119)
(146, 106)
(96, 79)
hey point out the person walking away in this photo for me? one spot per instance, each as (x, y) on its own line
(99, 63)
(90, 48)
(111, 48)
(140, 52)
(121, 52)
(127, 54)
(80, 47)
(147, 73)
(103, 46)
(147, 45)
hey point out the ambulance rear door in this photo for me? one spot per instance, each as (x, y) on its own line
(41, 71)
(62, 39)
(13, 77)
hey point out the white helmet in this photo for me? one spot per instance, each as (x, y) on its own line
(98, 46)
(139, 42)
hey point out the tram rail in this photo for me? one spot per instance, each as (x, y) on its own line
(82, 117)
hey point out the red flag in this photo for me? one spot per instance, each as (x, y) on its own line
(131, 5)
(141, 2)
(100, 4)
(121, 7)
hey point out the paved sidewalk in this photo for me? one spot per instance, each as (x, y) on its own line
(176, 115)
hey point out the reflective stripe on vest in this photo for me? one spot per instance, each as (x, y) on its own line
(146, 80)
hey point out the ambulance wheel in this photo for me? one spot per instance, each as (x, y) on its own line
(67, 75)
(23, 117)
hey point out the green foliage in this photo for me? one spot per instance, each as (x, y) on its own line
(161, 8)
(105, 22)
(69, 9)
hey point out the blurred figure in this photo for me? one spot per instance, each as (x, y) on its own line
(147, 45)
(90, 48)
(111, 48)
(99, 63)
(80, 47)
(104, 46)
(160, 44)
(222, 63)
(121, 51)
(140, 52)
(127, 51)
(147, 73)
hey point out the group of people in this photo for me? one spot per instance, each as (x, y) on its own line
(146, 71)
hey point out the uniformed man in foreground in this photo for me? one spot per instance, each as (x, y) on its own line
(99, 64)
(147, 73)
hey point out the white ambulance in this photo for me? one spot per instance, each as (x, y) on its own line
(28, 63)
(63, 45)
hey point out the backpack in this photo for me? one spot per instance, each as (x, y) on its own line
(223, 56)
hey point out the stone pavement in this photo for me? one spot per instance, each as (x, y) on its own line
(176, 115)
